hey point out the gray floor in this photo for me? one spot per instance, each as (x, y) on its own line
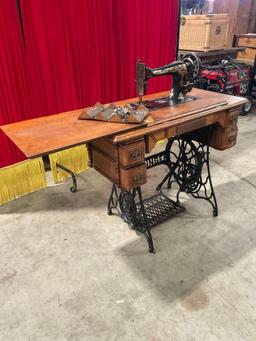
(68, 271)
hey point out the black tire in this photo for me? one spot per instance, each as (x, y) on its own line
(247, 108)
(230, 92)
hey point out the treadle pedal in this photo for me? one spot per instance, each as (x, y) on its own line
(158, 208)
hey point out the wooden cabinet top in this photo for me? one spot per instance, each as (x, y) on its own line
(44, 135)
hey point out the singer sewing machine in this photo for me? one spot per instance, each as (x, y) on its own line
(119, 151)
(183, 72)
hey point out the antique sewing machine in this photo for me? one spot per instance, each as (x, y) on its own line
(119, 151)
(183, 72)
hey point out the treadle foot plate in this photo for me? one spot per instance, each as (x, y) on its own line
(158, 208)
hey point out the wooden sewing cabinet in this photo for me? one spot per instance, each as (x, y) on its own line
(122, 152)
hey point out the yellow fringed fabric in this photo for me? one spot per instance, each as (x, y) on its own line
(162, 141)
(21, 179)
(75, 159)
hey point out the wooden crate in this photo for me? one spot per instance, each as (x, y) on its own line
(206, 32)
(246, 40)
(248, 54)
(249, 42)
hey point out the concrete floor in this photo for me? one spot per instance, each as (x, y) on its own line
(68, 271)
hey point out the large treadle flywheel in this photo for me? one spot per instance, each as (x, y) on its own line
(185, 162)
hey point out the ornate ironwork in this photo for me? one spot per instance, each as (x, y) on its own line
(128, 208)
(141, 215)
(156, 160)
(113, 200)
(204, 189)
(160, 208)
(188, 166)
(131, 212)
(186, 163)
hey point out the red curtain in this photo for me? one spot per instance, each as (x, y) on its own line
(76, 53)
(14, 94)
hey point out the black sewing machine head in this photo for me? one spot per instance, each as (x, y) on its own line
(184, 72)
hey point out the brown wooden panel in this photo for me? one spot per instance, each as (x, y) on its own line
(223, 138)
(186, 127)
(132, 154)
(232, 118)
(105, 165)
(243, 16)
(231, 7)
(170, 132)
(249, 53)
(247, 41)
(48, 134)
(133, 177)
(107, 147)
(252, 21)
(51, 133)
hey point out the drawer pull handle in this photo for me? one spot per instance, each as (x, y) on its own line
(135, 154)
(138, 178)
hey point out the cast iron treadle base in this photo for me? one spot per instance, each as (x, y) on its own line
(139, 214)
(185, 162)
(158, 209)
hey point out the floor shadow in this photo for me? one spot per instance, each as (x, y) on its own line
(192, 247)
(189, 248)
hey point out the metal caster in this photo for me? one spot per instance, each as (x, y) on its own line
(73, 189)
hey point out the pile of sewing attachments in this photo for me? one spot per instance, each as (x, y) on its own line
(114, 113)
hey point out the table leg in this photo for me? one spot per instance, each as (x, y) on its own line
(73, 188)
(132, 212)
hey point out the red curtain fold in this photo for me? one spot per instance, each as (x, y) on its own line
(14, 93)
(77, 53)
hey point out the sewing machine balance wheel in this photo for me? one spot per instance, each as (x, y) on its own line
(194, 64)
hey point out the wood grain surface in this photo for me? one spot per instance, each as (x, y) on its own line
(48, 134)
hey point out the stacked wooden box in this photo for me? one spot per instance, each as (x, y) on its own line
(206, 32)
(249, 42)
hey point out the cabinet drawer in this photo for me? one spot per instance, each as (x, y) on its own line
(247, 42)
(106, 146)
(132, 154)
(104, 165)
(223, 138)
(133, 177)
(232, 118)
(248, 53)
